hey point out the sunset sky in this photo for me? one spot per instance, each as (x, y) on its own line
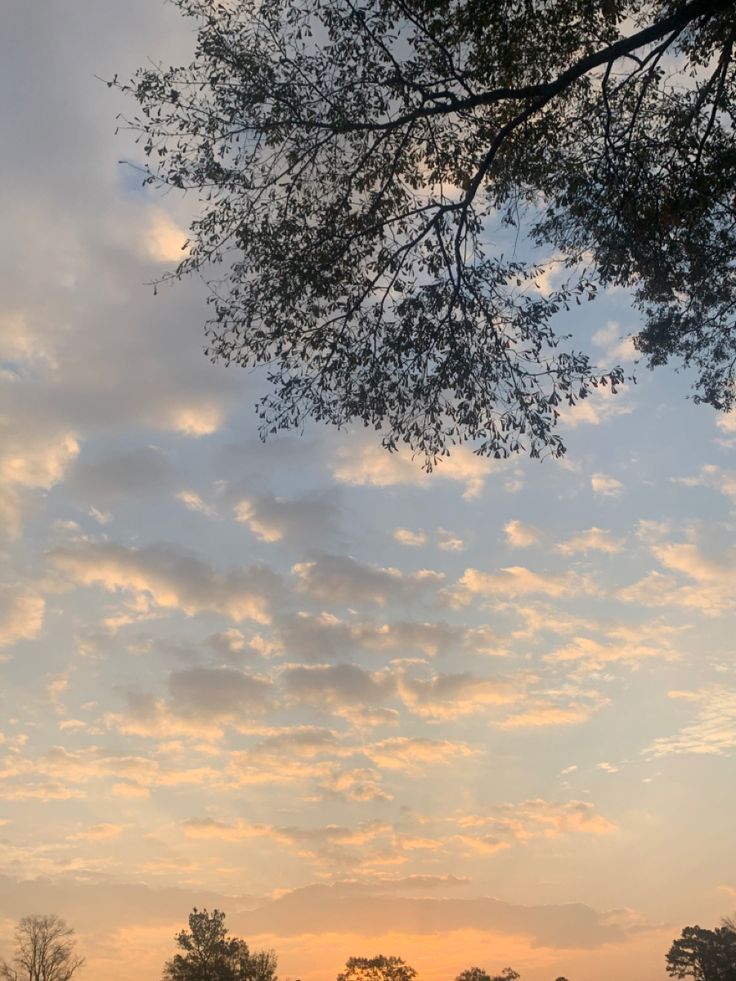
(483, 716)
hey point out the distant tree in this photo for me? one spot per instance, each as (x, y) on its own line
(357, 162)
(478, 974)
(378, 968)
(704, 955)
(210, 954)
(44, 951)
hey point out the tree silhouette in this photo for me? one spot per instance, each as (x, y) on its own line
(44, 951)
(210, 954)
(478, 974)
(357, 162)
(704, 955)
(377, 968)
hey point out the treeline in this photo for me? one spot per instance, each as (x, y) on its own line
(45, 950)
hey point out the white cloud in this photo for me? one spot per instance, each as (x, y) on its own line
(29, 461)
(412, 538)
(521, 535)
(448, 541)
(515, 580)
(342, 579)
(21, 615)
(713, 731)
(273, 519)
(171, 578)
(371, 465)
(723, 481)
(606, 485)
(164, 239)
(592, 540)
(192, 419)
(617, 345)
(193, 502)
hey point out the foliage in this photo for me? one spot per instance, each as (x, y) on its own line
(357, 160)
(44, 951)
(478, 974)
(704, 955)
(209, 954)
(378, 968)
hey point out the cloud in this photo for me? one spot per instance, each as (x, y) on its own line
(192, 418)
(515, 581)
(171, 578)
(615, 342)
(324, 637)
(409, 754)
(371, 465)
(343, 579)
(336, 685)
(543, 712)
(723, 481)
(219, 693)
(712, 576)
(98, 832)
(193, 502)
(29, 461)
(450, 696)
(62, 774)
(448, 541)
(117, 476)
(272, 519)
(606, 486)
(404, 536)
(21, 615)
(711, 733)
(592, 540)
(366, 911)
(519, 823)
(520, 535)
(593, 654)
(596, 409)
(164, 240)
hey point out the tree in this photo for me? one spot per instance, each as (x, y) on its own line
(211, 955)
(44, 951)
(378, 968)
(704, 955)
(363, 168)
(478, 974)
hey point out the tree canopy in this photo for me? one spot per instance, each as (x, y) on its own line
(210, 954)
(363, 165)
(704, 955)
(478, 974)
(379, 968)
(44, 951)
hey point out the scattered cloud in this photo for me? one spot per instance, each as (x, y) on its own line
(606, 485)
(21, 615)
(343, 579)
(171, 578)
(371, 465)
(448, 541)
(711, 733)
(515, 581)
(404, 536)
(521, 535)
(273, 519)
(193, 502)
(592, 540)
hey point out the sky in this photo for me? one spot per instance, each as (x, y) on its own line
(483, 716)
